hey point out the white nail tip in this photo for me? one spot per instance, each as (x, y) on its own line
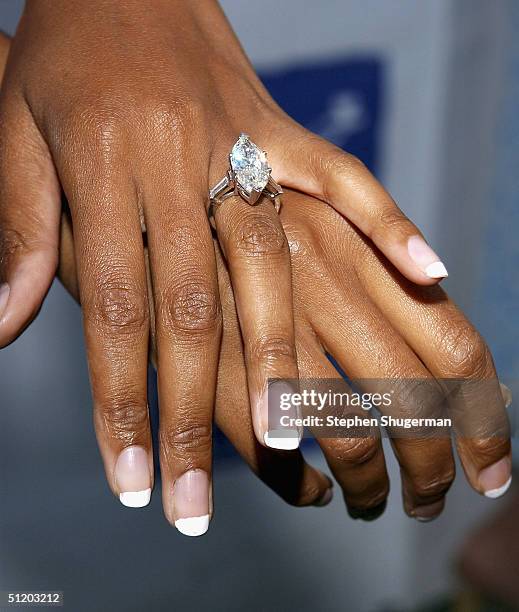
(193, 526)
(436, 270)
(494, 493)
(289, 441)
(135, 499)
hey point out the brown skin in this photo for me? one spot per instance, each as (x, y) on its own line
(131, 108)
(90, 147)
(406, 332)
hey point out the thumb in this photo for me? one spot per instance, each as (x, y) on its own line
(30, 203)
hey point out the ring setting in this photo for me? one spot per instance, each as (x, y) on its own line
(249, 176)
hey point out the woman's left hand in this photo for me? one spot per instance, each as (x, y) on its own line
(134, 116)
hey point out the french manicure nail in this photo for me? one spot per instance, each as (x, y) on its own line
(425, 258)
(282, 439)
(132, 477)
(191, 503)
(496, 479)
(281, 408)
(4, 296)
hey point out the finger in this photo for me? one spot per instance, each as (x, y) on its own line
(108, 257)
(357, 463)
(381, 358)
(257, 254)
(30, 200)
(315, 166)
(287, 474)
(188, 333)
(451, 348)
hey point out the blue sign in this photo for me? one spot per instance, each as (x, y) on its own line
(340, 100)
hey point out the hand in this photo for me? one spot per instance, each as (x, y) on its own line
(134, 117)
(132, 476)
(475, 346)
(382, 327)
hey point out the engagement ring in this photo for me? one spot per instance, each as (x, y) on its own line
(249, 176)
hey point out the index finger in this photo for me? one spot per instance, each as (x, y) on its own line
(311, 164)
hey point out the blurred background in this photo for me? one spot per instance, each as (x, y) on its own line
(426, 93)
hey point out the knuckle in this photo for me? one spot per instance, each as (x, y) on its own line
(352, 162)
(188, 112)
(118, 306)
(192, 306)
(340, 162)
(99, 122)
(12, 242)
(354, 451)
(464, 350)
(187, 437)
(391, 221)
(125, 416)
(490, 449)
(271, 349)
(420, 399)
(259, 235)
(391, 218)
(437, 486)
(336, 164)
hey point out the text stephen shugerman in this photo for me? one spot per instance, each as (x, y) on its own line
(355, 421)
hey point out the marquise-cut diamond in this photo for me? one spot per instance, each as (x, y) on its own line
(249, 164)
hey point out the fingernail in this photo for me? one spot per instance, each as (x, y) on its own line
(427, 513)
(132, 477)
(275, 414)
(496, 479)
(325, 499)
(425, 258)
(282, 439)
(191, 503)
(4, 296)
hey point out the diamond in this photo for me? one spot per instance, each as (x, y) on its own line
(249, 164)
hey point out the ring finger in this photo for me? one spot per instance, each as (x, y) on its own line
(258, 257)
